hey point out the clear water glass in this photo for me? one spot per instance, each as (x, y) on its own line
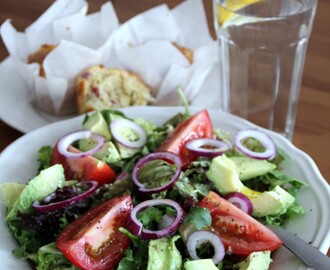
(262, 51)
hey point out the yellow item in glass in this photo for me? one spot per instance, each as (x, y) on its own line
(225, 11)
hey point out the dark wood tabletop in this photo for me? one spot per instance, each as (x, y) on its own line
(312, 130)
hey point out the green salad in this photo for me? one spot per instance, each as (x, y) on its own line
(126, 194)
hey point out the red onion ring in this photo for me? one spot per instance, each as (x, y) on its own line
(68, 202)
(119, 125)
(241, 201)
(68, 139)
(157, 155)
(264, 139)
(197, 238)
(136, 227)
(217, 147)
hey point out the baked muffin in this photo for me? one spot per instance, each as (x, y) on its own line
(100, 88)
(39, 57)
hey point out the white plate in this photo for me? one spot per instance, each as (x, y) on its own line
(18, 163)
(16, 108)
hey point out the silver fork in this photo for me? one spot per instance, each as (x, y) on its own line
(311, 256)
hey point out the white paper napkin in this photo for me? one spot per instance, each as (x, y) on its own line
(143, 44)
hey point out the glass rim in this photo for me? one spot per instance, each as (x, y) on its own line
(308, 5)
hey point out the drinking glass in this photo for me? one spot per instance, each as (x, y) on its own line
(262, 51)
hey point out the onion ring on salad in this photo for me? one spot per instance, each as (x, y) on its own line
(92, 186)
(68, 139)
(264, 139)
(153, 156)
(119, 126)
(136, 227)
(198, 238)
(207, 147)
(241, 201)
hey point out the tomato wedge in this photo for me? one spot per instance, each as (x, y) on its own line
(93, 241)
(196, 127)
(86, 168)
(239, 231)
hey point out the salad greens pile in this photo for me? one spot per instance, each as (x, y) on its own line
(36, 233)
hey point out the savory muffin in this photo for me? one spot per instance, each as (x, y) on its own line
(100, 88)
(40, 55)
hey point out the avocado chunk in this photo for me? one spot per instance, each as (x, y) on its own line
(248, 168)
(163, 254)
(114, 116)
(224, 175)
(276, 201)
(200, 264)
(256, 260)
(45, 183)
(126, 152)
(108, 152)
(96, 123)
(112, 151)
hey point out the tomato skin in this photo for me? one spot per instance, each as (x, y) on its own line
(237, 229)
(86, 168)
(93, 241)
(196, 127)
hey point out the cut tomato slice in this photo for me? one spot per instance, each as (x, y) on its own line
(239, 232)
(86, 168)
(94, 241)
(196, 127)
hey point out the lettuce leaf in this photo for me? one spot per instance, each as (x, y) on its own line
(49, 257)
(10, 193)
(136, 256)
(44, 157)
(46, 182)
(28, 240)
(163, 254)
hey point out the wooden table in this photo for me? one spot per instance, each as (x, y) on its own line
(312, 131)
